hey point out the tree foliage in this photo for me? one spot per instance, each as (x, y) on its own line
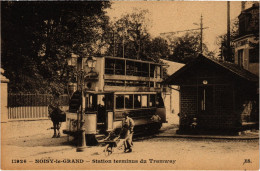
(157, 48)
(37, 37)
(221, 40)
(187, 47)
(131, 38)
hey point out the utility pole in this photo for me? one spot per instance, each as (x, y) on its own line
(228, 32)
(201, 33)
(114, 42)
(123, 44)
(139, 44)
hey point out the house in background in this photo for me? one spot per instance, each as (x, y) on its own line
(247, 42)
(171, 93)
(221, 96)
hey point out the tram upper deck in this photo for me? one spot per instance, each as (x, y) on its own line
(124, 74)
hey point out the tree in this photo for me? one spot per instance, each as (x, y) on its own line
(130, 33)
(187, 47)
(156, 49)
(37, 37)
(129, 37)
(221, 40)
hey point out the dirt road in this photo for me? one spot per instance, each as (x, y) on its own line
(40, 151)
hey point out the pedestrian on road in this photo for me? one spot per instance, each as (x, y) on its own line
(128, 127)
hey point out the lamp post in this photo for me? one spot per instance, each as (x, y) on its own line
(81, 75)
(91, 62)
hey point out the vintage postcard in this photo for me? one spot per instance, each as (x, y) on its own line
(129, 85)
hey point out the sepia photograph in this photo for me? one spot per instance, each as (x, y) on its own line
(129, 85)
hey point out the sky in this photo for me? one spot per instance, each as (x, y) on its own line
(170, 16)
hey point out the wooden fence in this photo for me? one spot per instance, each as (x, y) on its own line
(31, 106)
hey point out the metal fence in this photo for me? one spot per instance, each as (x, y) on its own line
(31, 106)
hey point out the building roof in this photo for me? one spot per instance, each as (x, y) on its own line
(237, 70)
(255, 5)
(229, 67)
(172, 67)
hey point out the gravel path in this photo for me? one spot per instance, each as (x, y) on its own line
(185, 153)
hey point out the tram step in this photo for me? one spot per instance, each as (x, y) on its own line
(100, 137)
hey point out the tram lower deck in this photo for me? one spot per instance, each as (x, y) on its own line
(104, 113)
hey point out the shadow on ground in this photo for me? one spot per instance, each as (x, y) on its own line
(39, 140)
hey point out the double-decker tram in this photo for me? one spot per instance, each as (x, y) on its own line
(119, 85)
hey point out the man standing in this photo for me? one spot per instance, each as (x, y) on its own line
(128, 127)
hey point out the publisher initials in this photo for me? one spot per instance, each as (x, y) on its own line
(247, 161)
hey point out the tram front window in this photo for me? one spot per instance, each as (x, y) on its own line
(101, 110)
(91, 102)
(101, 100)
(109, 98)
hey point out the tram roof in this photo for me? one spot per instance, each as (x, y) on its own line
(99, 92)
(120, 92)
(134, 60)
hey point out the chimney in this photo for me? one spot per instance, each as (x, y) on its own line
(243, 6)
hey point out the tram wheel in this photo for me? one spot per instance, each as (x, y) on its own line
(91, 140)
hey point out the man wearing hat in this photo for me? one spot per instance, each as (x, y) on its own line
(128, 126)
